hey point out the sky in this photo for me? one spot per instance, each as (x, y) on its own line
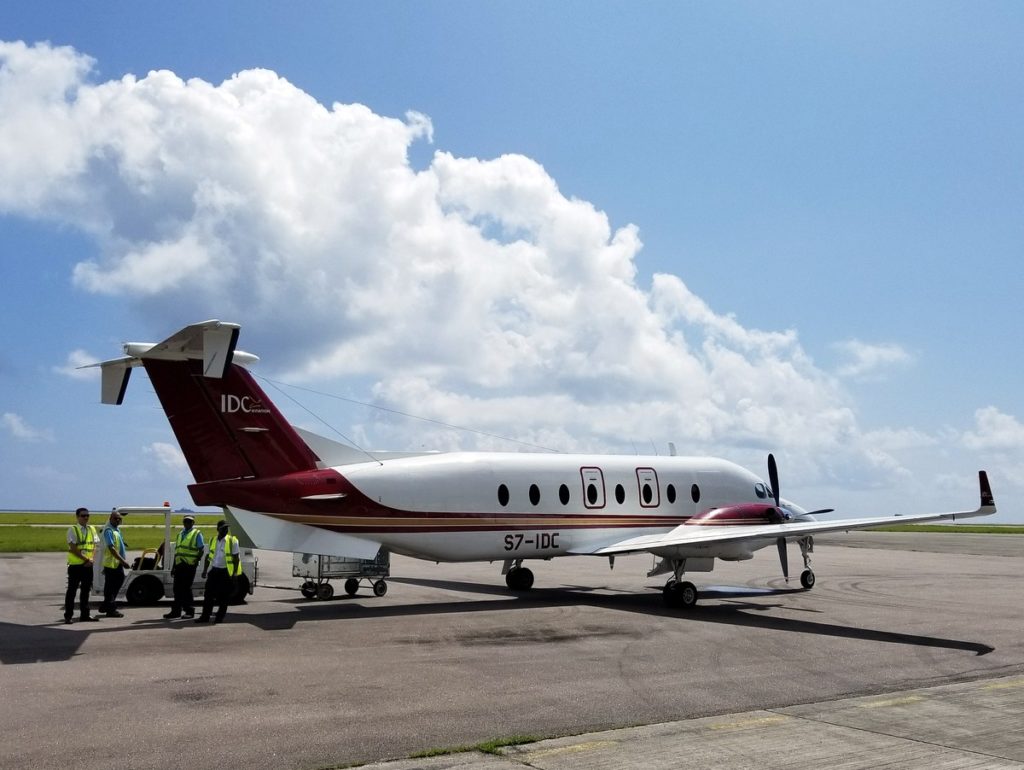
(565, 226)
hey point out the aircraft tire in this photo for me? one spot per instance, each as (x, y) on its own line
(807, 579)
(680, 594)
(351, 586)
(519, 579)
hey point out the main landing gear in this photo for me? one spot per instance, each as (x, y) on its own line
(517, 577)
(806, 549)
(678, 593)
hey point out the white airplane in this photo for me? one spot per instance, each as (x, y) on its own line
(286, 489)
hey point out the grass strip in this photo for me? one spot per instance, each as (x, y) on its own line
(487, 747)
(99, 518)
(26, 539)
(955, 529)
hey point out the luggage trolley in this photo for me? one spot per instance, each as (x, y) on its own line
(319, 569)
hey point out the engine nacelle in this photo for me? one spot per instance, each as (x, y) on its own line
(740, 515)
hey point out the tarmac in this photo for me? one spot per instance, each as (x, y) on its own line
(907, 653)
(969, 725)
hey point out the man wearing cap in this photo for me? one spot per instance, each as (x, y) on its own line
(115, 562)
(82, 540)
(188, 547)
(224, 563)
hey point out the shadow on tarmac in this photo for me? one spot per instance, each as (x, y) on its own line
(37, 644)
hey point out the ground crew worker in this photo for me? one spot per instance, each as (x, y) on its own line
(188, 547)
(115, 562)
(224, 563)
(81, 539)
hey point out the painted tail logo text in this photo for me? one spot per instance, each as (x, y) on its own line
(230, 404)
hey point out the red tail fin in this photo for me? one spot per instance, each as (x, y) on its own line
(227, 427)
(225, 424)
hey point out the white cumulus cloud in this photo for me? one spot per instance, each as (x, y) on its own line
(73, 366)
(869, 361)
(472, 291)
(168, 457)
(994, 430)
(17, 426)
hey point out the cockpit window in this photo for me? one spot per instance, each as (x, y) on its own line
(761, 490)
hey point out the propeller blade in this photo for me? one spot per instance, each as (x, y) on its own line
(773, 477)
(820, 510)
(783, 557)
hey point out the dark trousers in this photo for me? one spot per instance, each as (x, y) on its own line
(184, 575)
(113, 579)
(79, 580)
(219, 587)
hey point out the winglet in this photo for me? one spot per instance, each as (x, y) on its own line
(986, 491)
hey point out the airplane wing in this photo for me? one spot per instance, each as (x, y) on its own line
(688, 536)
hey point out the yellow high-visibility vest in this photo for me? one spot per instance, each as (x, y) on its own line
(232, 561)
(86, 537)
(109, 560)
(185, 549)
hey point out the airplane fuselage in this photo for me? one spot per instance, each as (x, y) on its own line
(471, 506)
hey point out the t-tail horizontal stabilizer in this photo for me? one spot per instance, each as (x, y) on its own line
(213, 342)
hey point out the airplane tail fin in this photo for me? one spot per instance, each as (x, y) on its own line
(225, 424)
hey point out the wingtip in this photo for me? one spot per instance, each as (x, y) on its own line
(986, 490)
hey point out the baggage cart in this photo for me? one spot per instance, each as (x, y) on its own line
(319, 569)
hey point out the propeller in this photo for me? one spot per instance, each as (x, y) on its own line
(773, 479)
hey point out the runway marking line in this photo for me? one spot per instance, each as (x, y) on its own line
(576, 748)
(1004, 685)
(755, 722)
(891, 702)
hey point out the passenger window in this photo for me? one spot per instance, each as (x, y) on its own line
(648, 494)
(670, 493)
(620, 494)
(563, 494)
(695, 493)
(503, 495)
(592, 494)
(534, 494)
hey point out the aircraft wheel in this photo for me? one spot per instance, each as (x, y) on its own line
(807, 579)
(682, 594)
(351, 586)
(146, 590)
(380, 588)
(308, 589)
(519, 579)
(325, 591)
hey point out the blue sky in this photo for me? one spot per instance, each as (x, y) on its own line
(591, 226)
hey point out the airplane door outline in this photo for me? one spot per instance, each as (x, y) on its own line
(592, 479)
(647, 487)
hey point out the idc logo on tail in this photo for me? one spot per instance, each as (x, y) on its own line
(231, 404)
